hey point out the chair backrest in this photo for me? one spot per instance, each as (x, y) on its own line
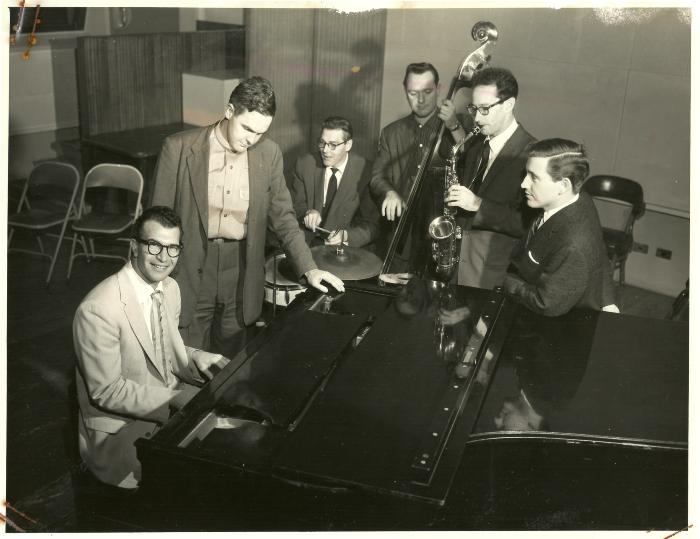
(617, 188)
(116, 176)
(52, 182)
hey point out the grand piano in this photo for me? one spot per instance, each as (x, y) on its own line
(430, 406)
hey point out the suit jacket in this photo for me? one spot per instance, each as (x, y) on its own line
(490, 234)
(181, 182)
(352, 208)
(565, 265)
(122, 392)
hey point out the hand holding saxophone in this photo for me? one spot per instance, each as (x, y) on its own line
(462, 197)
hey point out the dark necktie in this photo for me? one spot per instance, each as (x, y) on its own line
(478, 178)
(330, 193)
(536, 223)
(157, 333)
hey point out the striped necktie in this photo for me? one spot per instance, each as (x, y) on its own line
(536, 223)
(478, 178)
(158, 330)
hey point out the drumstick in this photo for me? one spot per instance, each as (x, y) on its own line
(324, 230)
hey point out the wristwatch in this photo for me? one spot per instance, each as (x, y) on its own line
(454, 127)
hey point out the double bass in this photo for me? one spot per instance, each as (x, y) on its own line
(425, 219)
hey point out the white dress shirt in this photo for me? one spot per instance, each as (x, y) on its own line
(328, 173)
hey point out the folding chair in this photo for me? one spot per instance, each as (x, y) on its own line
(47, 201)
(94, 222)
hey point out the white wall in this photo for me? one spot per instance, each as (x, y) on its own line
(624, 91)
(36, 101)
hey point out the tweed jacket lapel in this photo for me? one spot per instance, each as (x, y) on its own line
(134, 315)
(178, 347)
(198, 166)
(258, 184)
(561, 220)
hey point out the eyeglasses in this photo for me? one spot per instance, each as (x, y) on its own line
(332, 145)
(484, 109)
(155, 248)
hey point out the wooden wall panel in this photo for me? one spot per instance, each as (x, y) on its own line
(133, 81)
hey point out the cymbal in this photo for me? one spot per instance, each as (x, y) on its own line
(350, 264)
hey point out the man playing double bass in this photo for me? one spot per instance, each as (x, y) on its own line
(402, 141)
(493, 213)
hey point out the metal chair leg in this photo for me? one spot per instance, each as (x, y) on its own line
(622, 273)
(72, 255)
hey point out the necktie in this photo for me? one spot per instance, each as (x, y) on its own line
(330, 193)
(536, 223)
(478, 178)
(157, 333)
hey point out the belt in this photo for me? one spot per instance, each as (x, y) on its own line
(222, 240)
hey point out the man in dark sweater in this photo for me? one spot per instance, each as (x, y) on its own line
(562, 262)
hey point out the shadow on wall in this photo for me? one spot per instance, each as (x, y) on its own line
(328, 95)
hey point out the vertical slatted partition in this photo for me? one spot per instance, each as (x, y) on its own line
(133, 81)
(280, 48)
(320, 62)
(348, 71)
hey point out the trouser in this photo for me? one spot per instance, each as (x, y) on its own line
(217, 325)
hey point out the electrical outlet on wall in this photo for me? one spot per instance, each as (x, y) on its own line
(663, 253)
(640, 248)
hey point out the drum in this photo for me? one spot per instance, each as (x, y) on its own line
(280, 290)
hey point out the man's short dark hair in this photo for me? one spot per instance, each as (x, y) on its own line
(502, 79)
(162, 215)
(338, 122)
(418, 68)
(253, 95)
(567, 159)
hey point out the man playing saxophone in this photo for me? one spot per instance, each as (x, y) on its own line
(492, 212)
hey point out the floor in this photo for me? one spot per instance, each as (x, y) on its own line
(41, 422)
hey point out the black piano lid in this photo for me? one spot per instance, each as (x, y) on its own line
(383, 391)
(592, 375)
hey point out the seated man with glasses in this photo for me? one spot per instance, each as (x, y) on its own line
(492, 212)
(132, 364)
(330, 190)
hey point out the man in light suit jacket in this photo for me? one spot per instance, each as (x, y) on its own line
(227, 184)
(331, 189)
(493, 214)
(129, 374)
(562, 262)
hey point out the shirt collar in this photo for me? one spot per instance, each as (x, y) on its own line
(496, 143)
(142, 288)
(548, 214)
(426, 121)
(217, 140)
(340, 166)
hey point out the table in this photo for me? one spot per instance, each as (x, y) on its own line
(137, 147)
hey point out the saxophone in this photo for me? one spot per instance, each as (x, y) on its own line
(443, 230)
